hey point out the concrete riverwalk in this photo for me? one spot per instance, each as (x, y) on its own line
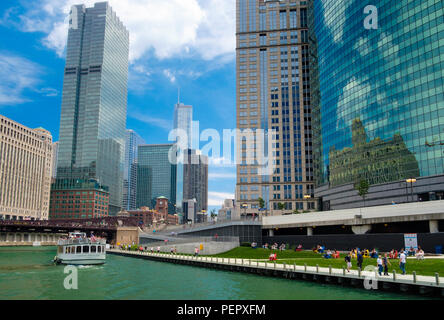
(410, 283)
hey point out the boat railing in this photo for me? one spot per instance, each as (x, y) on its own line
(62, 242)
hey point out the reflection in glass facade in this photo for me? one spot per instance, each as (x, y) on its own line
(156, 175)
(377, 94)
(94, 103)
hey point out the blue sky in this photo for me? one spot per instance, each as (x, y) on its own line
(188, 44)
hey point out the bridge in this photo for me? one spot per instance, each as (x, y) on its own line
(15, 232)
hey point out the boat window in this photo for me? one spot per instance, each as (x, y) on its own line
(60, 249)
(78, 249)
(99, 249)
(93, 249)
(66, 250)
(85, 249)
(103, 248)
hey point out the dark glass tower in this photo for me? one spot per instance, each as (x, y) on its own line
(94, 103)
(378, 100)
(156, 175)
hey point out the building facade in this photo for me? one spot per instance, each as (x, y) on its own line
(273, 94)
(227, 211)
(25, 171)
(156, 175)
(94, 101)
(78, 199)
(195, 178)
(55, 153)
(378, 100)
(132, 142)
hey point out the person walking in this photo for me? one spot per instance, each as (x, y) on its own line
(380, 266)
(349, 262)
(360, 259)
(402, 261)
(386, 263)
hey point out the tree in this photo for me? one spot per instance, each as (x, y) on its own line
(261, 204)
(362, 188)
(213, 214)
(281, 206)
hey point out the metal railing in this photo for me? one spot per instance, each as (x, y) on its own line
(62, 242)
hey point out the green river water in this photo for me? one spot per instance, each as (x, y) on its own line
(28, 273)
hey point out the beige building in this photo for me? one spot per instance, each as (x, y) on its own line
(273, 94)
(25, 171)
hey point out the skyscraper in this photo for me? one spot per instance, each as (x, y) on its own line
(195, 179)
(378, 100)
(183, 121)
(94, 102)
(156, 175)
(273, 93)
(25, 171)
(132, 142)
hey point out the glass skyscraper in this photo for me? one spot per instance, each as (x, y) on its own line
(378, 99)
(133, 140)
(94, 103)
(156, 175)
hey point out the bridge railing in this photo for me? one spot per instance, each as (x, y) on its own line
(184, 240)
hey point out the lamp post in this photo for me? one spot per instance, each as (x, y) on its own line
(411, 181)
(244, 206)
(307, 197)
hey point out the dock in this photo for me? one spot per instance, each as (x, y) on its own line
(409, 284)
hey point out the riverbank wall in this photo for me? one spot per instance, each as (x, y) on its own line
(407, 284)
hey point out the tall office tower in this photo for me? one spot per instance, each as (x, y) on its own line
(55, 152)
(378, 102)
(25, 171)
(156, 175)
(273, 93)
(195, 179)
(132, 142)
(183, 120)
(94, 102)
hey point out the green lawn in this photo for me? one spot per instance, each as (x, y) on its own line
(427, 267)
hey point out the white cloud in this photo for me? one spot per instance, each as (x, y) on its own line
(18, 74)
(170, 75)
(170, 28)
(217, 198)
(146, 118)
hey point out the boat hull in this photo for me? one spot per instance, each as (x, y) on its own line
(82, 262)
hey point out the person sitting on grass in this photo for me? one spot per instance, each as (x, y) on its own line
(272, 257)
(374, 254)
(411, 252)
(254, 245)
(366, 253)
(299, 248)
(328, 254)
(336, 254)
(420, 254)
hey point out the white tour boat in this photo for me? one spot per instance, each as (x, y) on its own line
(78, 249)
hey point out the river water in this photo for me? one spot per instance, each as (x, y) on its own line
(28, 273)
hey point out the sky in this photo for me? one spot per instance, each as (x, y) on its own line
(186, 44)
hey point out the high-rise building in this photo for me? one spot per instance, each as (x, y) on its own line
(378, 101)
(55, 153)
(132, 142)
(195, 178)
(94, 102)
(183, 121)
(156, 175)
(25, 171)
(273, 94)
